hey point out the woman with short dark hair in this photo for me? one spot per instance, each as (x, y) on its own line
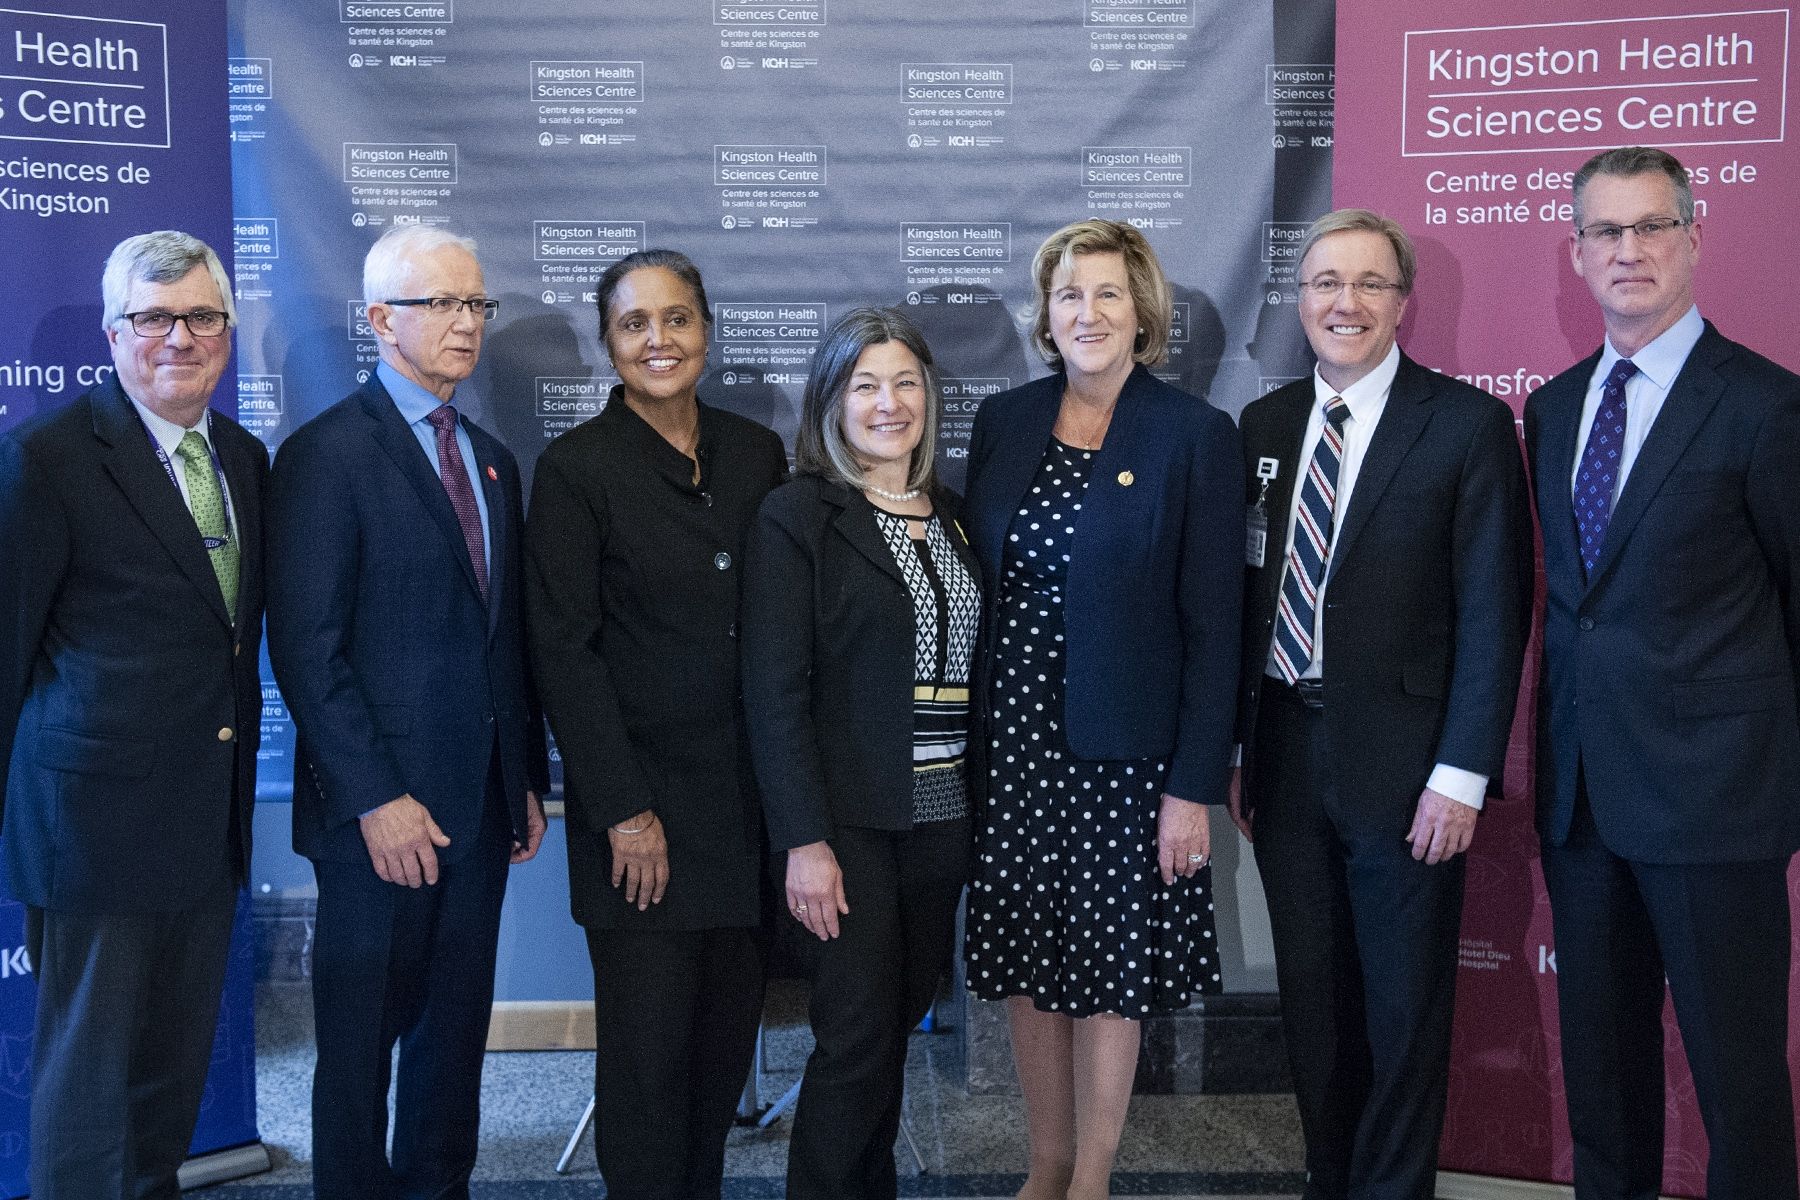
(637, 525)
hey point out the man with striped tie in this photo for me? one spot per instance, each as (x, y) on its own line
(1389, 560)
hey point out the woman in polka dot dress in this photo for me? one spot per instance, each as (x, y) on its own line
(1105, 509)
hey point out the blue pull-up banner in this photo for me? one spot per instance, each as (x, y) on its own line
(113, 122)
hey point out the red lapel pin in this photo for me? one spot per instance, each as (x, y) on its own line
(493, 475)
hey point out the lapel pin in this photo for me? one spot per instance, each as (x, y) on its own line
(493, 475)
(1126, 479)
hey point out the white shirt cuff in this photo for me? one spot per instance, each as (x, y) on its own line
(1464, 787)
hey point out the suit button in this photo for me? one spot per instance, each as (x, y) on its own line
(237, 650)
(1586, 623)
(733, 631)
(706, 499)
(225, 734)
(722, 561)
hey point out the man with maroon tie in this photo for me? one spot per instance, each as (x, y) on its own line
(398, 641)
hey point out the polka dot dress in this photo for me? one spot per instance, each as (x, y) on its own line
(1067, 906)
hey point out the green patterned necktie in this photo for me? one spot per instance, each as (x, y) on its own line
(209, 514)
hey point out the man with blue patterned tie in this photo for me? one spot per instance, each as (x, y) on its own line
(396, 631)
(1386, 606)
(131, 569)
(1668, 740)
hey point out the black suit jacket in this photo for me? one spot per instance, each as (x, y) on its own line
(399, 678)
(829, 662)
(634, 577)
(1428, 597)
(130, 704)
(1154, 584)
(1670, 677)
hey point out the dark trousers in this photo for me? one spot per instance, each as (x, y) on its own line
(1365, 957)
(1719, 932)
(413, 966)
(127, 1005)
(872, 986)
(675, 1014)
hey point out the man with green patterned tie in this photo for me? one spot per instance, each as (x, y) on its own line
(131, 560)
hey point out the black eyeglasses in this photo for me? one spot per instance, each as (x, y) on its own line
(154, 323)
(449, 306)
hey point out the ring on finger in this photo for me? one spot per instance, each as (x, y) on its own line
(799, 908)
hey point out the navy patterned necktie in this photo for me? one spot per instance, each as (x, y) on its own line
(1599, 474)
(462, 496)
(1313, 523)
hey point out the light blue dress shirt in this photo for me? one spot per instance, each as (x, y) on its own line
(415, 404)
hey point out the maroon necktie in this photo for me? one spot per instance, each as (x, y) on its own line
(456, 482)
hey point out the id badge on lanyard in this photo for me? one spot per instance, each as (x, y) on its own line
(1256, 516)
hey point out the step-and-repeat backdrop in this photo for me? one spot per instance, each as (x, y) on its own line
(809, 155)
(1465, 124)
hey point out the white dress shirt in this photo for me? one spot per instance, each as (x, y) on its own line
(168, 435)
(1658, 363)
(1367, 398)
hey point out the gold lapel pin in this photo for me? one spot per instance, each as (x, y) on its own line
(1126, 479)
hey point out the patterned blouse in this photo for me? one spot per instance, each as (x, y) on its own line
(946, 613)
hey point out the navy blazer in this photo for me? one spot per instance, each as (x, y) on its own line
(1428, 602)
(829, 663)
(399, 678)
(1155, 577)
(130, 703)
(1670, 677)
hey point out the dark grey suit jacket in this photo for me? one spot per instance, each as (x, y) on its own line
(1428, 597)
(130, 703)
(1670, 677)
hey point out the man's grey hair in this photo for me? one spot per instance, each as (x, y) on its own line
(385, 266)
(164, 256)
(1626, 161)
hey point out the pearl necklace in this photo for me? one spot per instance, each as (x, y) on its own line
(892, 497)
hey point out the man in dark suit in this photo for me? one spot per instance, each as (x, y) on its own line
(1387, 603)
(397, 636)
(1668, 745)
(131, 560)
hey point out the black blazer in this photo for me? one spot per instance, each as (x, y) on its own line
(1155, 575)
(829, 636)
(1670, 677)
(1428, 600)
(634, 581)
(130, 703)
(399, 678)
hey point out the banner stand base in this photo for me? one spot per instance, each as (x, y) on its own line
(1454, 1185)
(222, 1165)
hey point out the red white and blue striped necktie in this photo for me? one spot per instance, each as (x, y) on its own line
(1311, 551)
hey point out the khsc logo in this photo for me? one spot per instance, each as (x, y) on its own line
(1546, 960)
(14, 962)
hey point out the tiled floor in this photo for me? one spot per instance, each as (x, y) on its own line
(1174, 1147)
